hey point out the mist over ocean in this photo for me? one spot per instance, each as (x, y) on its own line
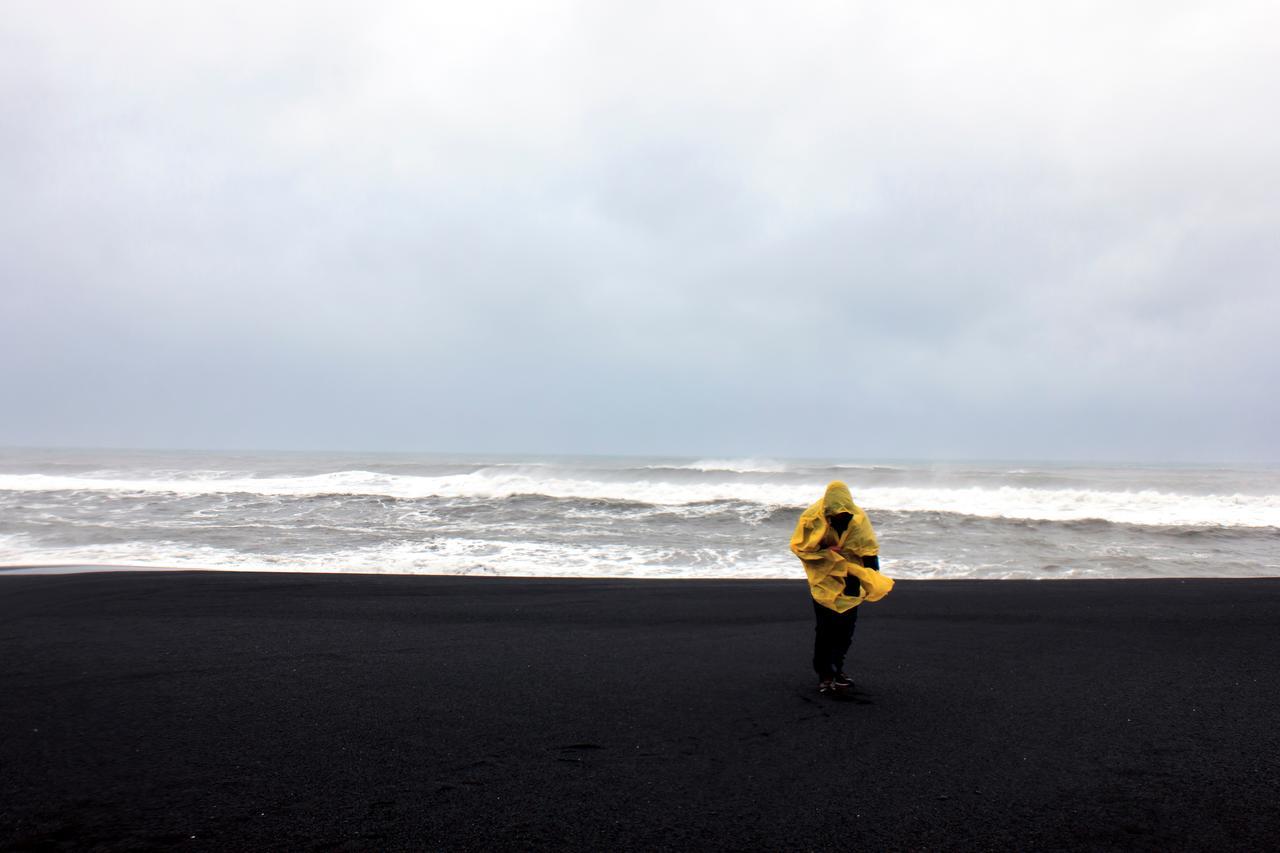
(625, 517)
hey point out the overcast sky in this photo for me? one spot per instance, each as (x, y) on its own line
(896, 230)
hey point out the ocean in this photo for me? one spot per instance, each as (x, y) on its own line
(626, 517)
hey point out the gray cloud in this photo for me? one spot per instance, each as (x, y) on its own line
(898, 231)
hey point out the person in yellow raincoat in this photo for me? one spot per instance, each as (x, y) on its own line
(841, 556)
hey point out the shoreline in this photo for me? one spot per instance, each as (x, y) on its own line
(286, 710)
(82, 568)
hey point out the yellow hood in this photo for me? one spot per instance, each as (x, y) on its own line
(838, 499)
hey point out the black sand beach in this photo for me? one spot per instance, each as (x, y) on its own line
(275, 711)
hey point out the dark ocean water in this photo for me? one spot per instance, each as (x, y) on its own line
(708, 518)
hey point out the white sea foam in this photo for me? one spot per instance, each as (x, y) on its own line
(1147, 507)
(441, 557)
(463, 557)
(524, 559)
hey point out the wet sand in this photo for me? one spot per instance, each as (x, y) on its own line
(229, 711)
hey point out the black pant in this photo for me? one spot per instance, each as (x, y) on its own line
(832, 638)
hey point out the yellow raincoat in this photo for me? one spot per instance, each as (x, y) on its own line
(829, 559)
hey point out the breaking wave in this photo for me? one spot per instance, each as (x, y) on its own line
(1142, 507)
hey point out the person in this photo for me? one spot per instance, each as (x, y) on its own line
(841, 557)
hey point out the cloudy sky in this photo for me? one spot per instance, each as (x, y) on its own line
(895, 230)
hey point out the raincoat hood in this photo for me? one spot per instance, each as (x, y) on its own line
(832, 560)
(838, 499)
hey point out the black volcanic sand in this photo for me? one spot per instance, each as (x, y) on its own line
(277, 711)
